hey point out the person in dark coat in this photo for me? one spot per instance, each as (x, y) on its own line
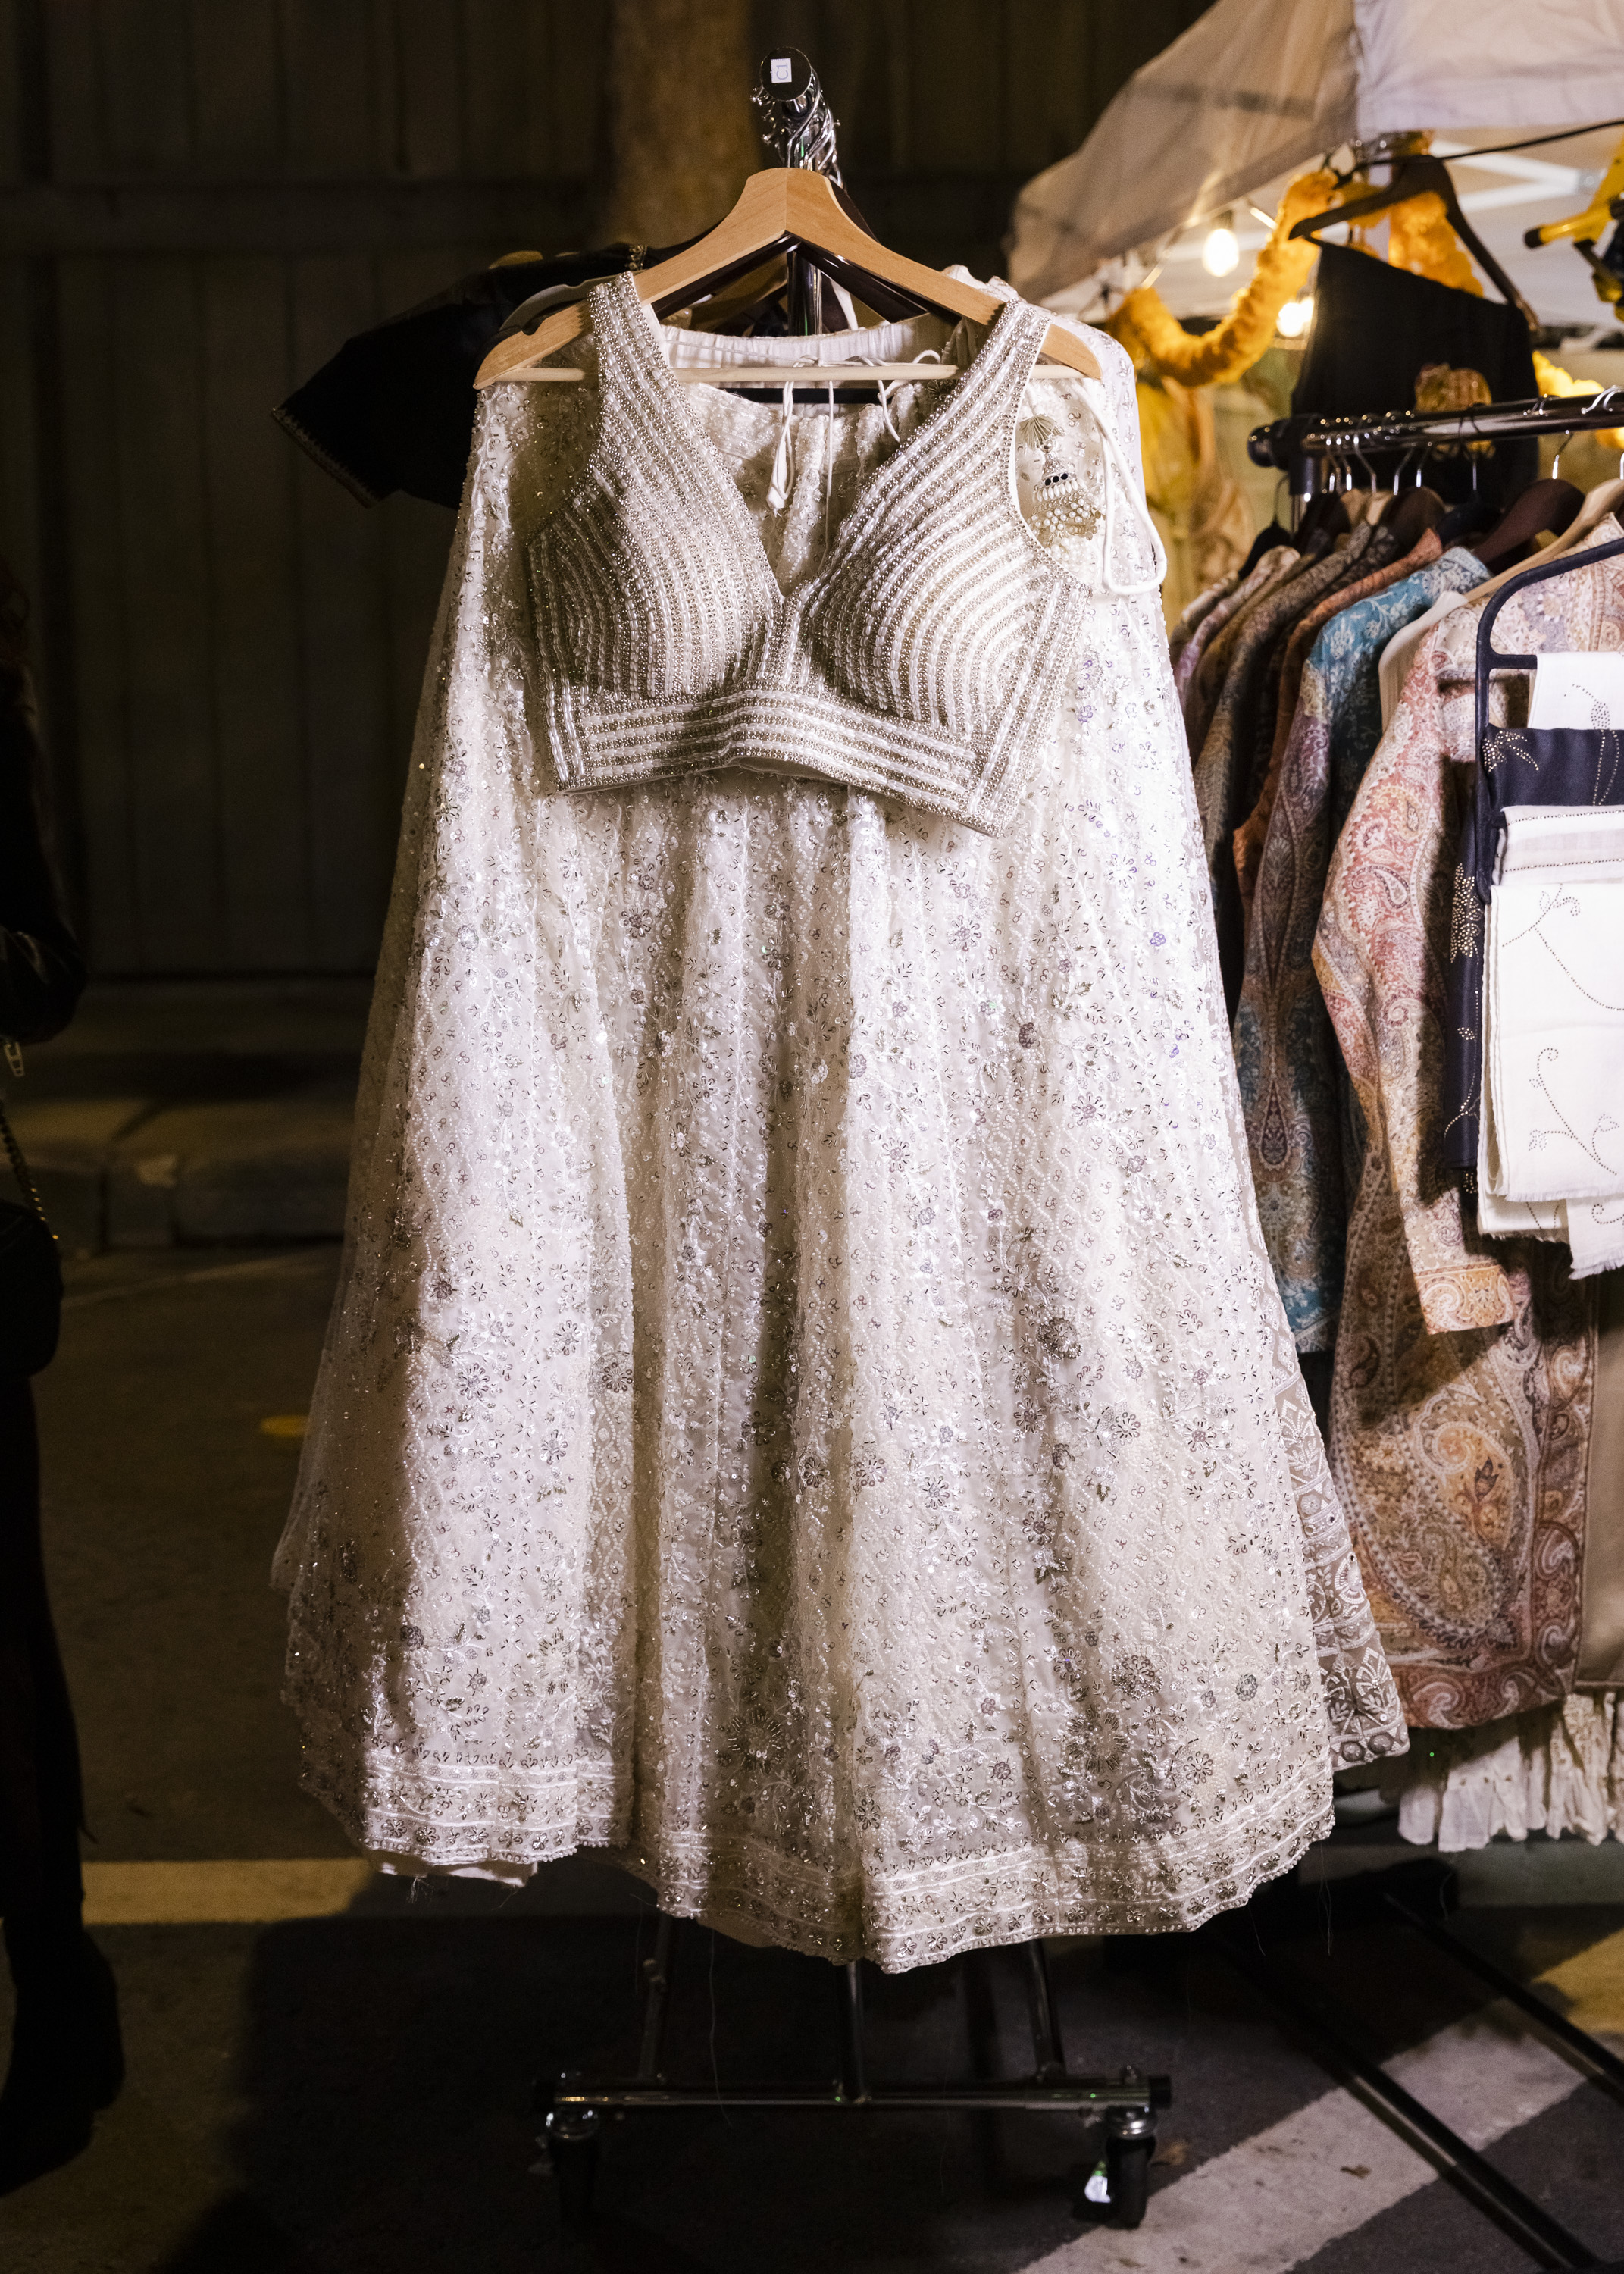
(66, 2060)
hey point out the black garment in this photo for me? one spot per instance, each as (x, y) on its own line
(1265, 541)
(1374, 328)
(40, 1787)
(66, 2058)
(1557, 765)
(41, 974)
(394, 408)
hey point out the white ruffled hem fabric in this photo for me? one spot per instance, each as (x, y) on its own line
(1560, 1770)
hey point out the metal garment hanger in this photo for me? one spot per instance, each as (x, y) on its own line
(1605, 498)
(784, 207)
(1414, 174)
(1490, 658)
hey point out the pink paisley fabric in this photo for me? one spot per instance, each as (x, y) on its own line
(1206, 661)
(1462, 1397)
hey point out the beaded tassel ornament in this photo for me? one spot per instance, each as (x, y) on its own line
(1060, 509)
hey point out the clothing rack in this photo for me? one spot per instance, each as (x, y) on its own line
(576, 2107)
(1312, 449)
(799, 129)
(1420, 1898)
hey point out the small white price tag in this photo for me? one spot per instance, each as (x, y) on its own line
(782, 69)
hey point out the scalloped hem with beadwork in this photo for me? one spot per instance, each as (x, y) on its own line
(1142, 1883)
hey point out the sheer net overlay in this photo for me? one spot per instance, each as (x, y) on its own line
(807, 1408)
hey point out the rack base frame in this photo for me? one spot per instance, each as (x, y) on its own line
(577, 2106)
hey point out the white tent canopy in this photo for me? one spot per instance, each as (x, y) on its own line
(1256, 89)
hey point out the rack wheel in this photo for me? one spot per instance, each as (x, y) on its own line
(572, 2143)
(1127, 2170)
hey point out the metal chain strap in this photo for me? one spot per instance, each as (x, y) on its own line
(19, 1167)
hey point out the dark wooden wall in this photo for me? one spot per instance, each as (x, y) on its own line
(198, 201)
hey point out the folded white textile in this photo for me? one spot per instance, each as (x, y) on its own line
(1505, 1219)
(1595, 1235)
(1594, 1230)
(1552, 1122)
(1583, 689)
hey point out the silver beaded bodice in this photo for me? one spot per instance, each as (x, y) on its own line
(922, 659)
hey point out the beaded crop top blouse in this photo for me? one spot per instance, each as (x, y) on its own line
(923, 660)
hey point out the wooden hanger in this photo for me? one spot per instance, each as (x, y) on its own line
(784, 206)
(1414, 512)
(1552, 505)
(1605, 498)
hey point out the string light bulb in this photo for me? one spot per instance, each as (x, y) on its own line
(1295, 317)
(1222, 252)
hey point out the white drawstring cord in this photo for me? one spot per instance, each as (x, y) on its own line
(925, 355)
(784, 457)
(1114, 460)
(829, 467)
(783, 473)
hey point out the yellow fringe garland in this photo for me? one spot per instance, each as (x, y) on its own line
(1153, 337)
(1553, 380)
(1419, 239)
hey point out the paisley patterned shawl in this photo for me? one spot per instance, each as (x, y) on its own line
(1229, 731)
(1292, 1085)
(1462, 1395)
(1222, 768)
(1250, 836)
(1198, 672)
(1360, 576)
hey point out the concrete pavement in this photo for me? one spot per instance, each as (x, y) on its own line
(331, 2072)
(195, 1113)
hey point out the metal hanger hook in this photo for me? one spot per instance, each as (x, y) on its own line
(1604, 401)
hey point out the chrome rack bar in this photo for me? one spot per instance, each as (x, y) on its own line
(1590, 2050)
(1300, 446)
(574, 2097)
(1488, 2188)
(1290, 438)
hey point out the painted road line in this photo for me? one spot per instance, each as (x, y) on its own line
(1271, 2203)
(1590, 1987)
(256, 1893)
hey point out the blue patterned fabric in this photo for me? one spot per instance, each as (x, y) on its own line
(1294, 1091)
